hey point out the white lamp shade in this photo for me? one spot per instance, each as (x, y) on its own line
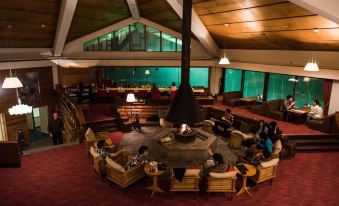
(147, 72)
(130, 98)
(224, 60)
(20, 109)
(311, 67)
(11, 82)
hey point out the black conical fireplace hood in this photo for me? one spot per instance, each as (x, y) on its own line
(184, 108)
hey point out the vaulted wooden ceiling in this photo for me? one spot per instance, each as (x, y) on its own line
(251, 24)
(92, 15)
(28, 24)
(266, 24)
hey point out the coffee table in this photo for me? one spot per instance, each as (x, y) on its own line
(155, 188)
(251, 172)
(299, 113)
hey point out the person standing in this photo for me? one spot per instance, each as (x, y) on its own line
(55, 129)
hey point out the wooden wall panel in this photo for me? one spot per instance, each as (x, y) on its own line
(72, 76)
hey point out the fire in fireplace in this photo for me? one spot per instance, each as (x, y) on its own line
(185, 134)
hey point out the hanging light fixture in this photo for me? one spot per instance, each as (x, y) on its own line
(20, 109)
(13, 82)
(224, 59)
(147, 72)
(312, 65)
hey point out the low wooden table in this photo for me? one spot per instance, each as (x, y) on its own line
(155, 188)
(299, 113)
(249, 100)
(251, 172)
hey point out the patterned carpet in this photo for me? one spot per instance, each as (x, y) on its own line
(63, 176)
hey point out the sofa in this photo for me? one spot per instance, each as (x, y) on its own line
(273, 109)
(117, 174)
(327, 125)
(222, 182)
(189, 183)
(232, 98)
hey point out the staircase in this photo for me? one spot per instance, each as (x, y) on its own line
(328, 142)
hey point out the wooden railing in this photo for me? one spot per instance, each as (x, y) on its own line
(72, 117)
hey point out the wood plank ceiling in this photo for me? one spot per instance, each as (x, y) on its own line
(266, 24)
(92, 15)
(21, 21)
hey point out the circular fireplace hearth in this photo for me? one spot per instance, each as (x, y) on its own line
(185, 138)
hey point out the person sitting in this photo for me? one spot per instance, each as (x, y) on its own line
(227, 121)
(173, 87)
(316, 111)
(261, 128)
(256, 131)
(103, 151)
(154, 88)
(218, 165)
(265, 145)
(273, 129)
(287, 105)
(139, 158)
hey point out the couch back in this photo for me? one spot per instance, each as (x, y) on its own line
(273, 105)
(232, 95)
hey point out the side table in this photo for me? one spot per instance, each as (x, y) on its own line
(251, 171)
(155, 188)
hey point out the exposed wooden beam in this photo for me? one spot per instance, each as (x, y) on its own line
(325, 8)
(65, 19)
(198, 28)
(134, 9)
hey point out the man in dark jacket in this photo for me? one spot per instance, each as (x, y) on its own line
(55, 128)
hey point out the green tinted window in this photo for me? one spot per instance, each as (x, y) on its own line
(199, 76)
(121, 39)
(137, 33)
(233, 79)
(153, 39)
(92, 45)
(106, 42)
(168, 42)
(309, 89)
(279, 86)
(179, 44)
(253, 83)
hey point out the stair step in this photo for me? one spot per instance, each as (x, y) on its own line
(318, 147)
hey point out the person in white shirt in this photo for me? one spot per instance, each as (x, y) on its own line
(316, 111)
(173, 87)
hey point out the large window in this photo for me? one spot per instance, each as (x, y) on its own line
(279, 86)
(233, 78)
(254, 83)
(135, 37)
(308, 89)
(161, 76)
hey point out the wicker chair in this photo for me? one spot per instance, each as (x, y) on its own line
(116, 172)
(91, 138)
(266, 171)
(190, 182)
(98, 162)
(222, 182)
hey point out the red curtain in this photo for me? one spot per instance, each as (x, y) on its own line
(327, 94)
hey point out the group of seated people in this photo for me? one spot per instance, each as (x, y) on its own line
(137, 159)
(316, 111)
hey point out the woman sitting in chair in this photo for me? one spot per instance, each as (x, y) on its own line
(138, 159)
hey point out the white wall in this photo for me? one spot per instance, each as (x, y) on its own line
(30, 123)
(334, 101)
(44, 117)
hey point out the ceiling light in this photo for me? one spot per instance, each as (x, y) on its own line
(147, 72)
(311, 66)
(316, 30)
(306, 79)
(224, 60)
(9, 26)
(11, 82)
(20, 109)
(292, 80)
(43, 25)
(226, 25)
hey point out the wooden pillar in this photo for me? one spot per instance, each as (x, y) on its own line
(186, 41)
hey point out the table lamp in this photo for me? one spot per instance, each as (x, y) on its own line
(130, 98)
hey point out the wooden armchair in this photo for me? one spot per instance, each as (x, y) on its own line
(116, 172)
(222, 182)
(190, 182)
(98, 162)
(266, 171)
(91, 138)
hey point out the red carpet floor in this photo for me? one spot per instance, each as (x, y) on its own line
(64, 177)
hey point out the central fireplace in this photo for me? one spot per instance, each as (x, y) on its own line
(185, 134)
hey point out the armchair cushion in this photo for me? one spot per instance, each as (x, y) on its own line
(269, 163)
(115, 165)
(223, 175)
(277, 147)
(90, 135)
(192, 172)
(94, 153)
